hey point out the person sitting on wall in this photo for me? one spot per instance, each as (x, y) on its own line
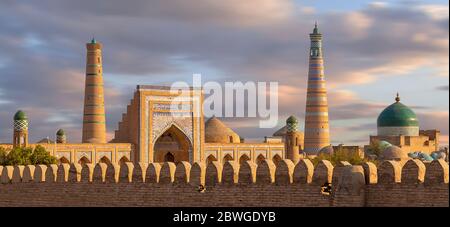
(326, 189)
(201, 188)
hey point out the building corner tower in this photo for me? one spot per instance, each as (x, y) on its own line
(94, 122)
(317, 134)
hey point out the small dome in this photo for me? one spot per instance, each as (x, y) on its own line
(383, 145)
(20, 115)
(397, 115)
(217, 132)
(60, 132)
(281, 132)
(291, 120)
(328, 150)
(292, 124)
(394, 153)
(438, 155)
(45, 140)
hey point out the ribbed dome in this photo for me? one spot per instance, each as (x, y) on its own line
(291, 120)
(60, 132)
(20, 115)
(383, 145)
(217, 132)
(45, 140)
(328, 150)
(394, 153)
(397, 115)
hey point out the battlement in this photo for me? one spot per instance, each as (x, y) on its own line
(286, 172)
(273, 185)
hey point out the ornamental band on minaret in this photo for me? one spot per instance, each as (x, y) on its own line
(317, 134)
(94, 128)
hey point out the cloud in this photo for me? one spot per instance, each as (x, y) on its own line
(42, 53)
(437, 12)
(442, 88)
(434, 120)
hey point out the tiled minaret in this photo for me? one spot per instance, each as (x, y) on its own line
(292, 140)
(20, 137)
(317, 134)
(94, 124)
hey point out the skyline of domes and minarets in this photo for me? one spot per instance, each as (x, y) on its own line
(427, 104)
(271, 103)
(150, 131)
(318, 52)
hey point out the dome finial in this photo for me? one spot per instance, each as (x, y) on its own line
(397, 98)
(316, 29)
(93, 40)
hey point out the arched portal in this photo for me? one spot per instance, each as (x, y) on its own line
(173, 146)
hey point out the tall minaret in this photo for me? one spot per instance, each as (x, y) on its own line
(94, 124)
(317, 132)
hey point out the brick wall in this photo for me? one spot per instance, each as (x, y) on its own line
(230, 184)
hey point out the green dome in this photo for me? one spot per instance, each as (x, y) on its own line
(20, 115)
(60, 132)
(383, 145)
(397, 115)
(291, 120)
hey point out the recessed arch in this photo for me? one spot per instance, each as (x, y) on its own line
(166, 128)
(169, 157)
(173, 144)
(243, 159)
(211, 158)
(260, 159)
(227, 158)
(84, 160)
(276, 158)
(63, 160)
(105, 160)
(123, 160)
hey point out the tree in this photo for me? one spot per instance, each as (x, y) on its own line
(26, 156)
(374, 148)
(41, 156)
(19, 156)
(3, 155)
(339, 155)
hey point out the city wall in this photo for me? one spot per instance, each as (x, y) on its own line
(411, 183)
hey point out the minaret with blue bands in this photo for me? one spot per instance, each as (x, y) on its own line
(94, 126)
(317, 132)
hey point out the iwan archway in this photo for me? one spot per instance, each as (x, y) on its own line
(172, 146)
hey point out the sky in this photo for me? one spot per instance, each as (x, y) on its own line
(372, 50)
